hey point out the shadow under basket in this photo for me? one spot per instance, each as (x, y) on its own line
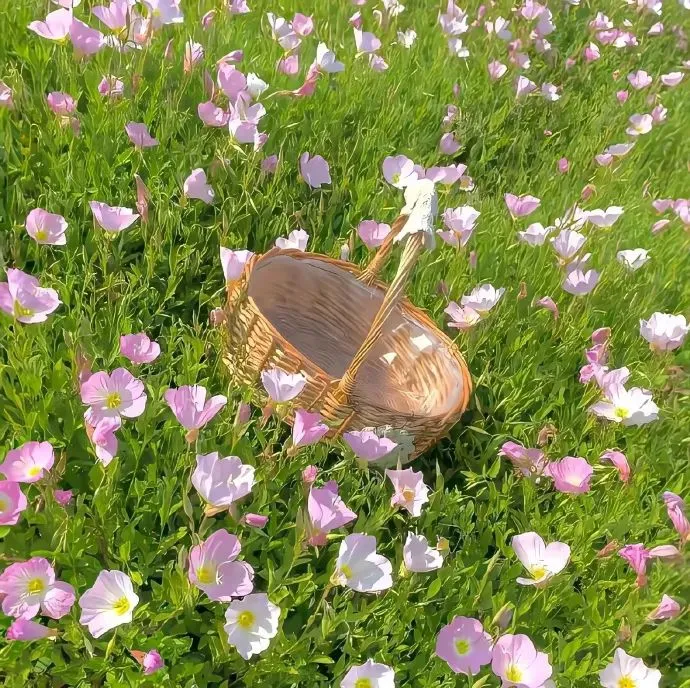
(370, 357)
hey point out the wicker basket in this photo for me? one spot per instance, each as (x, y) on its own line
(370, 357)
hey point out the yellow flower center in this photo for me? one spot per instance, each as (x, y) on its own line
(34, 471)
(396, 178)
(35, 586)
(514, 674)
(41, 234)
(113, 400)
(346, 571)
(626, 682)
(462, 647)
(121, 606)
(21, 311)
(4, 505)
(621, 412)
(363, 683)
(246, 620)
(408, 494)
(206, 575)
(538, 572)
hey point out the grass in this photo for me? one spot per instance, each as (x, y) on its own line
(164, 278)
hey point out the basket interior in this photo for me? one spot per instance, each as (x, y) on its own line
(325, 312)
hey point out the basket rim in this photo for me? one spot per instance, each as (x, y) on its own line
(405, 304)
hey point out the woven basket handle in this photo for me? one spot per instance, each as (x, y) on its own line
(372, 271)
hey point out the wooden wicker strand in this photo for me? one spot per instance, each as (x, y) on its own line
(371, 273)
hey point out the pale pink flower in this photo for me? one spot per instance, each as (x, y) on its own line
(632, 259)
(115, 15)
(528, 461)
(633, 406)
(659, 226)
(12, 502)
(62, 497)
(664, 331)
(150, 661)
(550, 93)
(523, 86)
(111, 86)
(24, 299)
(302, 25)
(667, 608)
(29, 463)
(231, 81)
(27, 630)
(496, 69)
(269, 164)
(626, 670)
(548, 303)
(139, 135)
(297, 239)
(238, 7)
(138, 348)
(373, 233)
(418, 557)
(355, 21)
(517, 662)
(672, 79)
(563, 165)
(591, 52)
(377, 63)
(567, 243)
(221, 481)
(359, 567)
(639, 124)
(371, 674)
(461, 222)
(193, 54)
(366, 42)
(367, 445)
(604, 218)
(213, 568)
(46, 228)
(109, 603)
(464, 645)
(327, 511)
(191, 407)
(542, 561)
(55, 27)
(283, 32)
(622, 96)
(112, 218)
(619, 460)
(233, 262)
(309, 475)
(61, 104)
(143, 198)
(29, 586)
(165, 12)
(639, 79)
(112, 396)
(570, 475)
(535, 234)
(86, 41)
(314, 170)
(579, 282)
(482, 298)
(251, 623)
(519, 206)
(207, 19)
(282, 386)
(103, 438)
(6, 96)
(448, 144)
(659, 114)
(307, 428)
(604, 159)
(656, 29)
(289, 64)
(675, 508)
(409, 490)
(196, 186)
(399, 171)
(461, 317)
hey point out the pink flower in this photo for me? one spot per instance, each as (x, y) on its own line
(327, 511)
(517, 662)
(62, 497)
(109, 603)
(496, 69)
(297, 239)
(462, 317)
(542, 561)
(570, 475)
(314, 171)
(302, 25)
(448, 144)
(548, 303)
(309, 475)
(150, 661)
(111, 86)
(164, 12)
(464, 645)
(61, 104)
(254, 520)
(233, 262)
(373, 233)
(483, 298)
(535, 234)
(622, 96)
(289, 64)
(399, 171)
(12, 502)
(664, 331)
(25, 300)
(619, 460)
(359, 567)
(639, 124)
(639, 79)
(523, 86)
(578, 282)
(28, 463)
(46, 228)
(190, 406)
(220, 481)
(659, 226)
(668, 608)
(238, 7)
(377, 63)
(371, 674)
(139, 135)
(519, 206)
(307, 428)
(529, 462)
(115, 16)
(112, 218)
(418, 557)
(366, 42)
(193, 54)
(86, 41)
(207, 19)
(633, 406)
(282, 386)
(55, 27)
(563, 165)
(659, 114)
(675, 508)
(138, 348)
(213, 569)
(111, 395)
(567, 243)
(103, 438)
(231, 81)
(269, 164)
(591, 52)
(27, 630)
(638, 555)
(355, 21)
(196, 186)
(367, 445)
(409, 490)
(6, 96)
(27, 586)
(672, 79)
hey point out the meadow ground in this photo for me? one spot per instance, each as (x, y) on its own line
(140, 514)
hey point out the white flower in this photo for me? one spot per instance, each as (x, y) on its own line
(568, 243)
(108, 603)
(456, 47)
(482, 298)
(664, 331)
(535, 234)
(639, 124)
(325, 60)
(633, 259)
(255, 85)
(619, 150)
(418, 556)
(359, 567)
(550, 92)
(251, 623)
(541, 560)
(628, 672)
(604, 218)
(407, 38)
(369, 675)
(297, 238)
(627, 406)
